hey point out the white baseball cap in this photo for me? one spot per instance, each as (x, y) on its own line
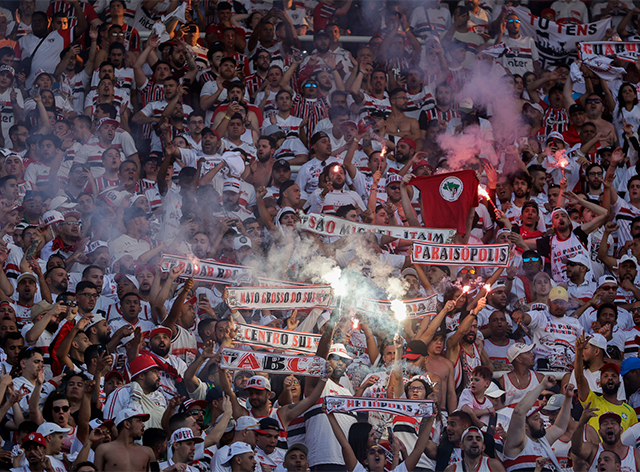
(184, 434)
(248, 423)
(579, 259)
(49, 428)
(493, 391)
(598, 341)
(259, 382)
(129, 413)
(339, 350)
(236, 449)
(626, 258)
(518, 348)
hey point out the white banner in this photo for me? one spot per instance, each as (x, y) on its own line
(279, 298)
(487, 255)
(415, 408)
(256, 361)
(327, 225)
(556, 42)
(207, 270)
(416, 307)
(274, 338)
(625, 51)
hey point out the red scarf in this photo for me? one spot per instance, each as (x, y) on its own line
(59, 244)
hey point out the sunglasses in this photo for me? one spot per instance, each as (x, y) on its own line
(310, 85)
(513, 21)
(195, 412)
(394, 187)
(546, 396)
(336, 358)
(468, 271)
(376, 450)
(57, 409)
(530, 259)
(594, 100)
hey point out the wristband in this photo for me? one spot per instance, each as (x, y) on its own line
(510, 278)
(226, 117)
(407, 30)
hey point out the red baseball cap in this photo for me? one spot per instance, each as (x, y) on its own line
(141, 364)
(410, 142)
(610, 366)
(36, 438)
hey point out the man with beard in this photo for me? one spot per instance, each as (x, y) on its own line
(610, 430)
(377, 98)
(399, 124)
(402, 157)
(145, 275)
(309, 173)
(134, 240)
(42, 174)
(90, 153)
(280, 173)
(579, 287)
(594, 175)
(610, 383)
(261, 63)
(334, 195)
(259, 394)
(462, 343)
(57, 280)
(449, 450)
(527, 437)
(496, 300)
(444, 110)
(160, 346)
(521, 184)
(553, 332)
(144, 392)
(183, 445)
(605, 293)
(282, 115)
(566, 241)
(124, 453)
(231, 207)
(201, 245)
(472, 445)
(154, 111)
(45, 319)
(261, 168)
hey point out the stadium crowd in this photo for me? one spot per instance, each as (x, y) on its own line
(157, 157)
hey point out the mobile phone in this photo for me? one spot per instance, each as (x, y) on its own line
(390, 433)
(234, 99)
(65, 370)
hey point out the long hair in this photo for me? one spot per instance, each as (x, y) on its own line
(358, 438)
(620, 103)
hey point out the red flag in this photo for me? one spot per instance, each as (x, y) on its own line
(447, 199)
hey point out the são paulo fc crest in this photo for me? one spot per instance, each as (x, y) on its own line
(451, 188)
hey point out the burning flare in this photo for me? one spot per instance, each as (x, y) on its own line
(333, 278)
(485, 194)
(399, 309)
(465, 289)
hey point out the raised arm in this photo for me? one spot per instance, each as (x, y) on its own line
(584, 450)
(516, 437)
(176, 308)
(349, 456)
(562, 421)
(291, 412)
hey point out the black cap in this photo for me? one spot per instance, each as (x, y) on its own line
(228, 59)
(320, 33)
(134, 212)
(267, 424)
(318, 136)
(575, 108)
(214, 393)
(444, 269)
(415, 349)
(280, 164)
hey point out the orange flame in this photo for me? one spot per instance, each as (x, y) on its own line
(466, 288)
(483, 192)
(356, 322)
(487, 287)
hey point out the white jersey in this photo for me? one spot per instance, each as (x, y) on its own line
(515, 394)
(526, 460)
(327, 450)
(560, 251)
(482, 467)
(554, 338)
(184, 345)
(627, 463)
(561, 451)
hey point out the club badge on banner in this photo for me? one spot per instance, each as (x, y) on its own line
(333, 226)
(279, 298)
(622, 50)
(310, 366)
(414, 408)
(274, 338)
(557, 42)
(486, 255)
(207, 270)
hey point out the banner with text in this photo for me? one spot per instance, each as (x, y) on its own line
(275, 338)
(310, 366)
(622, 50)
(207, 270)
(416, 307)
(557, 42)
(327, 225)
(487, 255)
(279, 298)
(415, 408)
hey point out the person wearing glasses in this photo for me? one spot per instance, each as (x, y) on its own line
(522, 56)
(65, 243)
